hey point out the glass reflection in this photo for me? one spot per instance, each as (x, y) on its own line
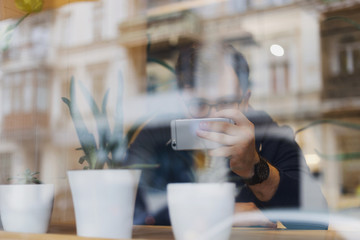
(303, 60)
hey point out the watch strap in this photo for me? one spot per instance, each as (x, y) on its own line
(261, 172)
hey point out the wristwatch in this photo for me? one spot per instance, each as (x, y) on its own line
(261, 172)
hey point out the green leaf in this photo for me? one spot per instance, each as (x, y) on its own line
(332, 122)
(27, 177)
(148, 46)
(90, 149)
(339, 157)
(82, 159)
(104, 102)
(118, 129)
(66, 101)
(161, 63)
(167, 66)
(345, 19)
(29, 6)
(90, 100)
(101, 120)
(140, 166)
(7, 35)
(36, 181)
(117, 141)
(87, 140)
(35, 173)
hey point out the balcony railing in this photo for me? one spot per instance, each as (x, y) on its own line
(25, 121)
(342, 86)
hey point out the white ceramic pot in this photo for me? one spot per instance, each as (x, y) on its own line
(104, 201)
(26, 208)
(201, 211)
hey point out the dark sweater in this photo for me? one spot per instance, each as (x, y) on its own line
(274, 143)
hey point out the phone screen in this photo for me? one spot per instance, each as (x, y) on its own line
(183, 134)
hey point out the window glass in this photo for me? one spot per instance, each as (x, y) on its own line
(285, 72)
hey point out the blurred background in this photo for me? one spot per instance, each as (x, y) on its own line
(304, 59)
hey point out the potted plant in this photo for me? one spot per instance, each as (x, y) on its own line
(103, 199)
(26, 206)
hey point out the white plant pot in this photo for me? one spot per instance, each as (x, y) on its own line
(201, 211)
(26, 208)
(104, 201)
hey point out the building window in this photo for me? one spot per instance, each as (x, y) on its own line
(42, 95)
(65, 38)
(98, 88)
(28, 92)
(98, 74)
(236, 6)
(280, 77)
(20, 90)
(280, 2)
(159, 78)
(17, 93)
(356, 59)
(39, 40)
(345, 59)
(349, 58)
(7, 96)
(98, 20)
(5, 167)
(65, 92)
(158, 3)
(279, 68)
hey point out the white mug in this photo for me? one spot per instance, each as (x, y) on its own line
(201, 211)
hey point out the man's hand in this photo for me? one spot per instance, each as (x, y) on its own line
(239, 145)
(247, 214)
(238, 141)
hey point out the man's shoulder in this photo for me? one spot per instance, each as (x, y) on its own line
(266, 127)
(259, 117)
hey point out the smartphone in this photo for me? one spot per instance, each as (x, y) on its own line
(183, 134)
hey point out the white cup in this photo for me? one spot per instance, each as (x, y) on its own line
(201, 211)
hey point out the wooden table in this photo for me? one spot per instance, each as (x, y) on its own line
(165, 233)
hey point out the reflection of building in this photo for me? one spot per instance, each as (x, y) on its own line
(46, 49)
(341, 53)
(340, 97)
(252, 30)
(26, 79)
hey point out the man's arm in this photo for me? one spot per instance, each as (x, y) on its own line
(266, 190)
(238, 142)
(286, 162)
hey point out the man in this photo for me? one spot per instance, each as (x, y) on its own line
(264, 158)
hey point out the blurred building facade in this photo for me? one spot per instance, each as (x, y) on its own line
(304, 67)
(47, 49)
